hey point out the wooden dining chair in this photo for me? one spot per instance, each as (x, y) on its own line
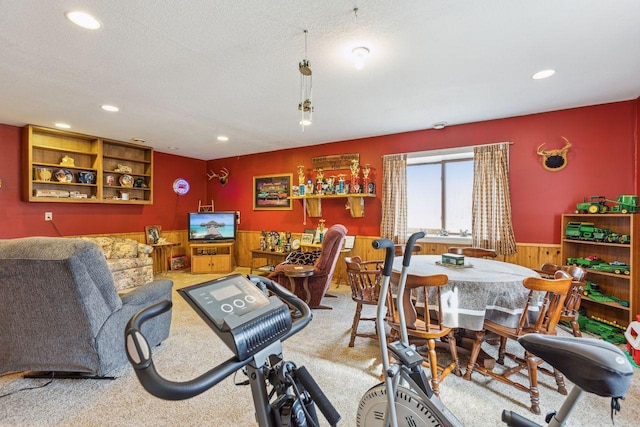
(549, 311)
(473, 252)
(426, 326)
(570, 311)
(365, 279)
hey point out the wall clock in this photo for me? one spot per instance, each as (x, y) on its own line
(181, 186)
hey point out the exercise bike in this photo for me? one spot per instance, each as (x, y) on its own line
(406, 398)
(253, 326)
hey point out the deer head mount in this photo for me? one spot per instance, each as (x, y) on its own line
(554, 160)
(223, 177)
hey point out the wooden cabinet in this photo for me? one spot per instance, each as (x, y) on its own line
(211, 257)
(621, 286)
(313, 204)
(60, 166)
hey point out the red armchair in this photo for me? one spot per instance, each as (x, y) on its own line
(323, 269)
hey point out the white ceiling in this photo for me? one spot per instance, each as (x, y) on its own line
(184, 71)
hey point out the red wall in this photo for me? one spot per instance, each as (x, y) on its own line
(169, 210)
(602, 161)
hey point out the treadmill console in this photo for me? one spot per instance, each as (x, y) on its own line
(239, 313)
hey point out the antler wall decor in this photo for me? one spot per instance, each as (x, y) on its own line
(223, 177)
(554, 160)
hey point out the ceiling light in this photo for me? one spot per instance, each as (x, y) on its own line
(222, 138)
(439, 125)
(359, 55)
(305, 122)
(543, 74)
(111, 108)
(63, 126)
(171, 147)
(139, 140)
(306, 88)
(83, 20)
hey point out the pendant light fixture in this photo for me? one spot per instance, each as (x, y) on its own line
(306, 89)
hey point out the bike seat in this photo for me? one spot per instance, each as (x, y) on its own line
(593, 365)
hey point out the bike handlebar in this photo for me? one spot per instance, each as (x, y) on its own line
(389, 248)
(140, 357)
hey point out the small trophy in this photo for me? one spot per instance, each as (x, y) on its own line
(301, 180)
(341, 183)
(330, 181)
(319, 180)
(366, 170)
(355, 171)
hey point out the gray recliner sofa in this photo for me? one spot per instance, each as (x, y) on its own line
(59, 309)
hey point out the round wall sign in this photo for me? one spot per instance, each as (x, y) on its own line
(181, 186)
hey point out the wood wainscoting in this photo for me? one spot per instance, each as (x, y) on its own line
(531, 255)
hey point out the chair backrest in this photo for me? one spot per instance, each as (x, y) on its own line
(550, 309)
(548, 269)
(473, 252)
(364, 278)
(331, 245)
(574, 298)
(432, 314)
(399, 249)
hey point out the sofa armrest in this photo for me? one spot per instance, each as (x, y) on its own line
(144, 250)
(146, 294)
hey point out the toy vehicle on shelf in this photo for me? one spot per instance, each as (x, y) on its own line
(616, 267)
(593, 205)
(592, 290)
(587, 231)
(588, 262)
(625, 204)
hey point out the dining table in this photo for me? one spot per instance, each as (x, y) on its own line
(480, 289)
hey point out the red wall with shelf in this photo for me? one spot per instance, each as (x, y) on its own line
(603, 161)
(19, 218)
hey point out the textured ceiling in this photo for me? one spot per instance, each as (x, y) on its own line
(184, 71)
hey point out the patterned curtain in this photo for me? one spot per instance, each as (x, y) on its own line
(491, 223)
(394, 198)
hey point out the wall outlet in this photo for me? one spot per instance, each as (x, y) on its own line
(48, 216)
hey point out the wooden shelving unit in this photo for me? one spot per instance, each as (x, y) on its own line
(624, 287)
(44, 149)
(313, 204)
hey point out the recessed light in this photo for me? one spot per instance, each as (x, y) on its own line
(359, 54)
(171, 147)
(543, 74)
(222, 138)
(83, 20)
(305, 122)
(63, 126)
(111, 108)
(439, 125)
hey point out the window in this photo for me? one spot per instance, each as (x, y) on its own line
(439, 191)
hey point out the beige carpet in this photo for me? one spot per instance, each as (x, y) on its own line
(344, 374)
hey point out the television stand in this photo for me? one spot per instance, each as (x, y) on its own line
(211, 257)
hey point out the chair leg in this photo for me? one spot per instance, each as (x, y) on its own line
(532, 367)
(562, 389)
(576, 328)
(433, 364)
(475, 351)
(354, 326)
(453, 349)
(501, 351)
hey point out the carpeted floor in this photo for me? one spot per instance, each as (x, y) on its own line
(344, 373)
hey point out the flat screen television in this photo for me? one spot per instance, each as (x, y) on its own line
(209, 227)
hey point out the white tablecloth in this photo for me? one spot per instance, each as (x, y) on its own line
(488, 289)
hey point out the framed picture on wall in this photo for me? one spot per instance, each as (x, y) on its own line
(272, 192)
